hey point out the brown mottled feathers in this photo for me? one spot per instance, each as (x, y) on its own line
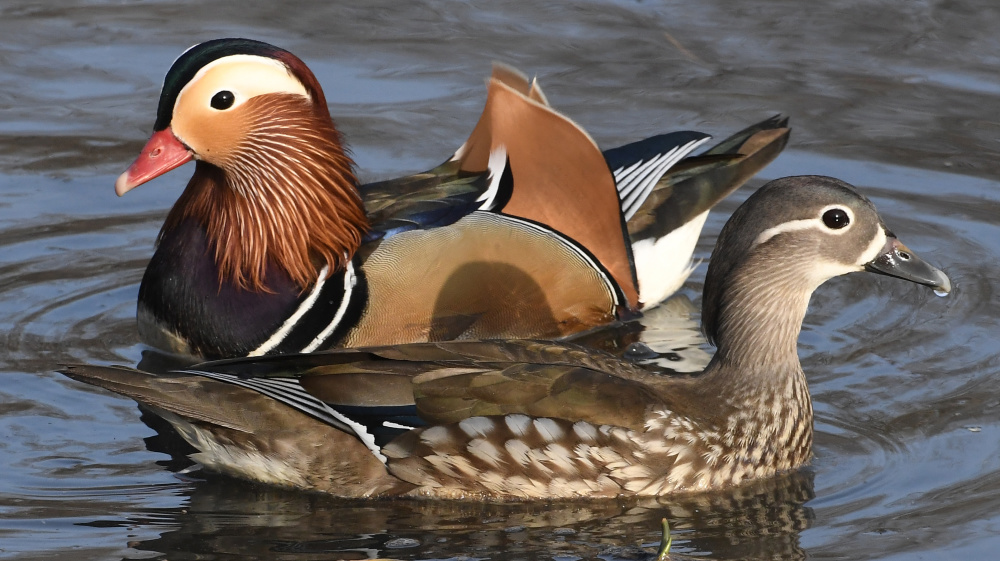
(509, 420)
(525, 419)
(516, 457)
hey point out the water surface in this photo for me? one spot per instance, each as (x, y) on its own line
(901, 99)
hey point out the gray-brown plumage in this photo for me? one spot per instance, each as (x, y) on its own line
(535, 420)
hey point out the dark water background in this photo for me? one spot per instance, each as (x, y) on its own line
(899, 98)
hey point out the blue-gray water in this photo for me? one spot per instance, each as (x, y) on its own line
(899, 98)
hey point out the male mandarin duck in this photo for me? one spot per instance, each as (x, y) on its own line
(523, 420)
(274, 247)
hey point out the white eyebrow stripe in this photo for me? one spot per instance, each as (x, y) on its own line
(296, 87)
(807, 223)
(255, 76)
(790, 226)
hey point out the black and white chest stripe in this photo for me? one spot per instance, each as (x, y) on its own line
(329, 308)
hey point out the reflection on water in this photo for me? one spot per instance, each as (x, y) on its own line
(236, 521)
(898, 98)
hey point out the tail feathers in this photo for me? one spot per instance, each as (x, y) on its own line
(697, 183)
(736, 144)
(196, 395)
(665, 229)
(184, 396)
(245, 433)
(639, 166)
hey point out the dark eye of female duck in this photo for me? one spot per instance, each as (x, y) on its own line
(223, 100)
(836, 218)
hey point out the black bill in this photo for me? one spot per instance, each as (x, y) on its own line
(896, 260)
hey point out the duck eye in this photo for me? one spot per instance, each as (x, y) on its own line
(223, 100)
(836, 218)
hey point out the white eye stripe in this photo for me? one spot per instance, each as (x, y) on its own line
(806, 224)
(790, 226)
(246, 76)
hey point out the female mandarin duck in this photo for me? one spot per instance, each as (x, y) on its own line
(271, 249)
(530, 420)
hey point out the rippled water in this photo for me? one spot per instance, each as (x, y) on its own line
(899, 98)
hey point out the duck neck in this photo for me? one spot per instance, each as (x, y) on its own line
(756, 374)
(287, 198)
(758, 312)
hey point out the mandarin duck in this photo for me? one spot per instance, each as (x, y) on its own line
(274, 247)
(519, 420)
